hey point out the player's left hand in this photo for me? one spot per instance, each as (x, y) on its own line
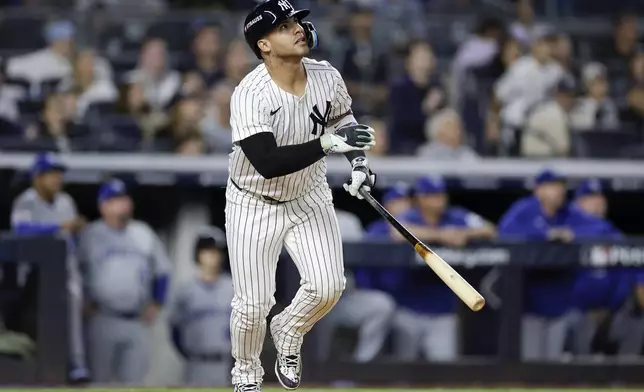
(361, 176)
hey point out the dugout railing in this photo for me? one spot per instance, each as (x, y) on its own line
(512, 262)
(46, 256)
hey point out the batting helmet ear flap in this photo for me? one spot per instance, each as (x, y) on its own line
(312, 37)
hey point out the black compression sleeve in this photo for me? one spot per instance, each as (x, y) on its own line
(272, 161)
(351, 155)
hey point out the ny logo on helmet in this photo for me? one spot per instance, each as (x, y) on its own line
(284, 5)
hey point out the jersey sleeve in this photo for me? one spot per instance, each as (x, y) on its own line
(249, 114)
(341, 113)
(473, 220)
(25, 221)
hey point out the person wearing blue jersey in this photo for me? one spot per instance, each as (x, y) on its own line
(597, 292)
(425, 322)
(546, 216)
(397, 200)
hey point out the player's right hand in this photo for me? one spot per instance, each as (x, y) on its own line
(354, 137)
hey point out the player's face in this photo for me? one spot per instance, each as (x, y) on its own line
(51, 181)
(552, 194)
(434, 203)
(287, 40)
(399, 205)
(593, 204)
(210, 259)
(117, 208)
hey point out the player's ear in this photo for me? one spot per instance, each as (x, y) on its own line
(264, 45)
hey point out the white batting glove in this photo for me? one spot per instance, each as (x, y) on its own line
(361, 176)
(354, 137)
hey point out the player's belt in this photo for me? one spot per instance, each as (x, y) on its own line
(266, 199)
(118, 314)
(216, 357)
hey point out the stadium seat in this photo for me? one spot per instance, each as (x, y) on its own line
(603, 144)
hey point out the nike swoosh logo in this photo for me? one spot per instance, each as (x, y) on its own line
(275, 111)
(343, 138)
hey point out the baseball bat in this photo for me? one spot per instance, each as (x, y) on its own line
(445, 272)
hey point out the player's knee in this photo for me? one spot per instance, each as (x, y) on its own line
(326, 296)
(250, 316)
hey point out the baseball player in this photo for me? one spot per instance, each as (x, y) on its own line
(45, 209)
(286, 116)
(426, 321)
(546, 215)
(126, 278)
(200, 315)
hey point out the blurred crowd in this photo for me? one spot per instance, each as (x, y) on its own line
(513, 86)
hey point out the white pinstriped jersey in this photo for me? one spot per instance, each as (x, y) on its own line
(259, 105)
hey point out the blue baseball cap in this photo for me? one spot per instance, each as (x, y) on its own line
(589, 187)
(110, 189)
(61, 30)
(430, 184)
(548, 175)
(46, 161)
(397, 191)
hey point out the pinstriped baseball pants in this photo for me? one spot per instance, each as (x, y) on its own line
(256, 232)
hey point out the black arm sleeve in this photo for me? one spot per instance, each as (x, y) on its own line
(351, 155)
(272, 161)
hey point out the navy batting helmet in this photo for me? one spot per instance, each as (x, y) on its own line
(267, 16)
(212, 238)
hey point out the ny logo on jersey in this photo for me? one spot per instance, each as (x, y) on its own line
(284, 5)
(319, 119)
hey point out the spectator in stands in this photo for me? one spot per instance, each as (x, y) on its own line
(363, 63)
(445, 130)
(55, 130)
(632, 114)
(413, 98)
(9, 97)
(399, 21)
(160, 84)
(84, 82)
(426, 321)
(526, 83)
(366, 310)
(191, 144)
(562, 53)
(45, 68)
(206, 47)
(216, 120)
(596, 110)
(623, 47)
(509, 54)
(238, 61)
(525, 29)
(49, 64)
(478, 51)
(192, 84)
(132, 103)
(547, 133)
(185, 122)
